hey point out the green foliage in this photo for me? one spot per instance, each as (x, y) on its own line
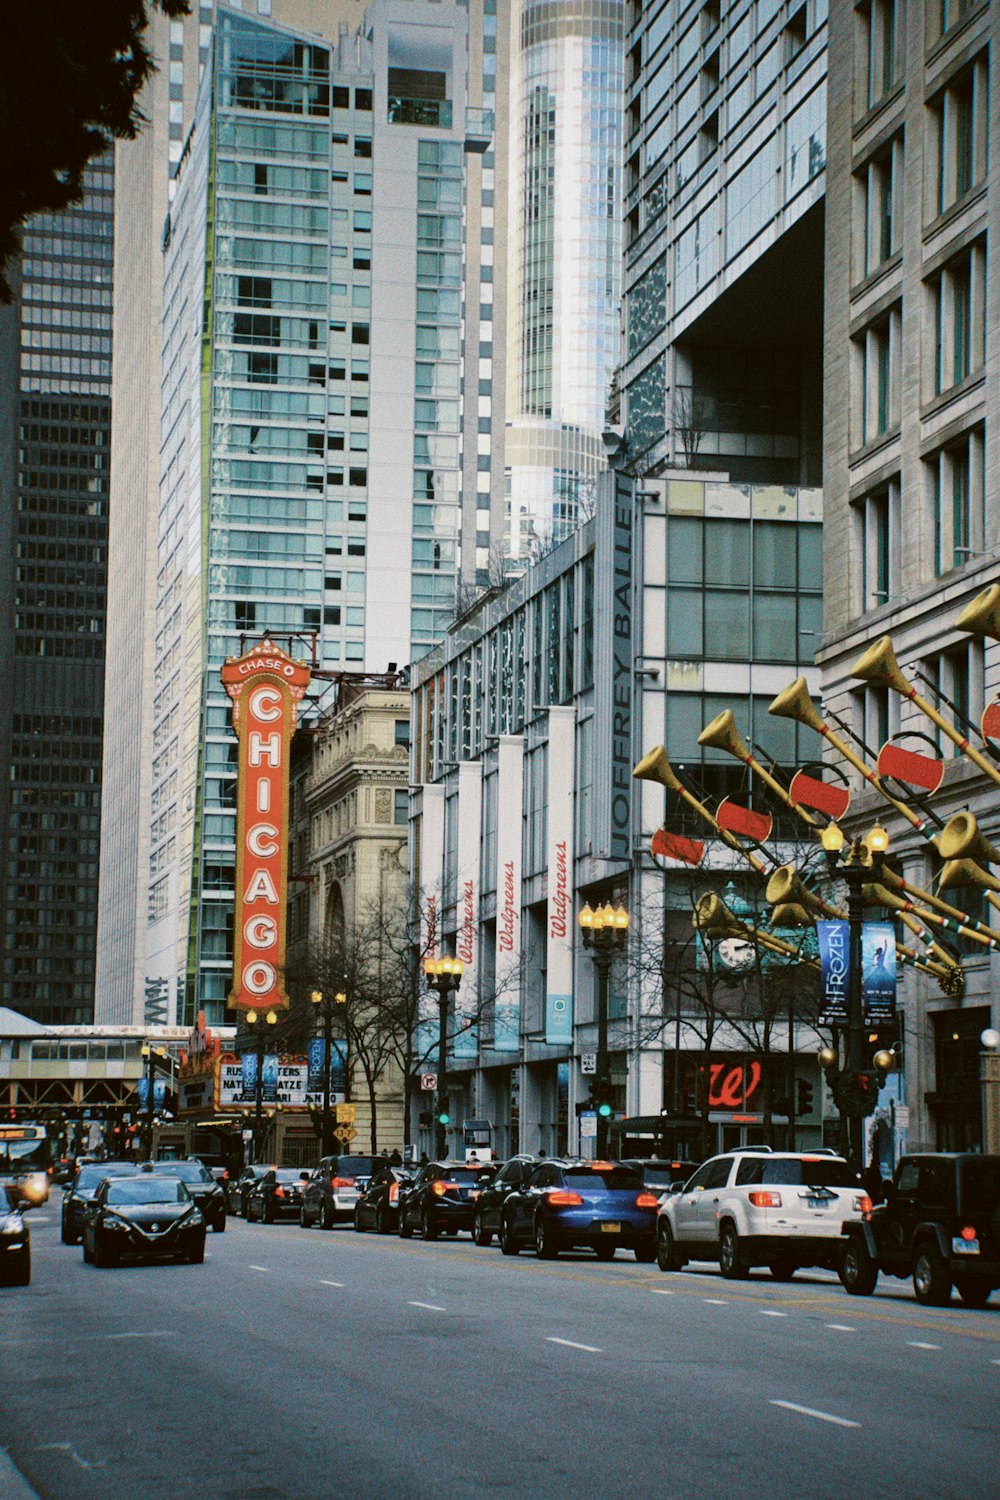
(70, 74)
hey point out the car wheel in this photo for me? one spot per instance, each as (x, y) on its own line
(22, 1276)
(931, 1278)
(545, 1244)
(103, 1257)
(782, 1270)
(428, 1228)
(973, 1291)
(480, 1233)
(268, 1213)
(645, 1254)
(325, 1218)
(730, 1255)
(68, 1237)
(219, 1227)
(668, 1257)
(404, 1230)
(508, 1244)
(197, 1257)
(604, 1250)
(381, 1220)
(303, 1221)
(858, 1272)
(87, 1256)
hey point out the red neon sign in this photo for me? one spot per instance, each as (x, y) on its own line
(266, 686)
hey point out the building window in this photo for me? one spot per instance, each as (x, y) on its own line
(401, 807)
(882, 45)
(878, 521)
(958, 681)
(956, 475)
(879, 208)
(959, 135)
(958, 314)
(944, 14)
(877, 361)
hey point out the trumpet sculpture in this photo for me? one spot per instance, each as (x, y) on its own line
(656, 767)
(982, 616)
(967, 872)
(878, 665)
(713, 918)
(961, 838)
(722, 734)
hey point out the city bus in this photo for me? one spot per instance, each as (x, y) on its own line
(26, 1159)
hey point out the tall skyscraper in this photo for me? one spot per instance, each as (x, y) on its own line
(564, 266)
(55, 400)
(316, 273)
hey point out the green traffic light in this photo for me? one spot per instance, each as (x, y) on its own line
(444, 1118)
(604, 1109)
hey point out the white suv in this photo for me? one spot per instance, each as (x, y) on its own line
(779, 1209)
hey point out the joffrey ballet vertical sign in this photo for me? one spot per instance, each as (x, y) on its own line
(266, 687)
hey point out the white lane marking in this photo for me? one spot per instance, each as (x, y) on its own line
(840, 1327)
(809, 1411)
(916, 1344)
(258, 1268)
(66, 1448)
(662, 1291)
(430, 1306)
(154, 1333)
(716, 1301)
(766, 1314)
(568, 1344)
(332, 1283)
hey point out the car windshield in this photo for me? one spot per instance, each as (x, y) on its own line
(607, 1177)
(288, 1174)
(89, 1177)
(187, 1171)
(147, 1190)
(808, 1171)
(462, 1175)
(980, 1186)
(355, 1166)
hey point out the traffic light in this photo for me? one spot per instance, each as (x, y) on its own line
(602, 1098)
(443, 1118)
(804, 1096)
(426, 1119)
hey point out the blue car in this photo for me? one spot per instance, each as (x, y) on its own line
(601, 1205)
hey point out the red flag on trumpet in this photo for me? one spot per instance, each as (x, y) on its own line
(669, 845)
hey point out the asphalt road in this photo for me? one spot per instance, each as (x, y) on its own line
(301, 1365)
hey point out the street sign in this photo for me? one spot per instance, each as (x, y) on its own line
(428, 1082)
(247, 1135)
(346, 1114)
(588, 1124)
(588, 1062)
(345, 1133)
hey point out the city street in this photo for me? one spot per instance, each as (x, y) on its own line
(303, 1364)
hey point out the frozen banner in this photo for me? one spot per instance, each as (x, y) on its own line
(315, 1054)
(834, 960)
(470, 813)
(248, 1076)
(159, 1092)
(559, 916)
(429, 873)
(878, 972)
(507, 1007)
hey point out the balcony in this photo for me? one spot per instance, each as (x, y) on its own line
(435, 113)
(478, 129)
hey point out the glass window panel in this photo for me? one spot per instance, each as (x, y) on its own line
(727, 625)
(727, 553)
(684, 623)
(774, 627)
(684, 543)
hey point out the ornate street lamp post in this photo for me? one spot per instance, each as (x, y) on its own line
(259, 1027)
(444, 975)
(605, 934)
(150, 1054)
(326, 1013)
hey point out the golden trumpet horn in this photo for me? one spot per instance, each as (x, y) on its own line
(879, 665)
(722, 734)
(959, 872)
(785, 887)
(656, 767)
(982, 616)
(961, 838)
(791, 914)
(713, 917)
(794, 702)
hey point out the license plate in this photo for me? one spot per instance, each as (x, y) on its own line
(818, 1202)
(611, 1229)
(964, 1247)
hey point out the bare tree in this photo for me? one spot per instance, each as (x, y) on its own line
(690, 412)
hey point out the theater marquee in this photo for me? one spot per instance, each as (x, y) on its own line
(266, 686)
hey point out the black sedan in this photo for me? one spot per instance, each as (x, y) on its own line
(15, 1240)
(511, 1176)
(239, 1190)
(207, 1193)
(143, 1217)
(378, 1208)
(276, 1195)
(85, 1184)
(442, 1199)
(598, 1204)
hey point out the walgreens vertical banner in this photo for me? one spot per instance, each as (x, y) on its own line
(510, 782)
(560, 926)
(470, 814)
(266, 687)
(430, 868)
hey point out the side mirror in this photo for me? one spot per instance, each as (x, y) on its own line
(888, 1191)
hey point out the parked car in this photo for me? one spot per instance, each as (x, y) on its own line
(565, 1204)
(378, 1207)
(334, 1189)
(278, 1194)
(142, 1216)
(510, 1176)
(15, 1239)
(206, 1192)
(660, 1176)
(780, 1209)
(940, 1225)
(84, 1185)
(221, 1167)
(442, 1198)
(238, 1192)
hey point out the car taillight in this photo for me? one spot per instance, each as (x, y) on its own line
(338, 1182)
(225, 1176)
(863, 1205)
(565, 1200)
(647, 1200)
(394, 1192)
(968, 1233)
(765, 1200)
(440, 1188)
(279, 1192)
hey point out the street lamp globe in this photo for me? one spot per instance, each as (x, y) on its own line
(884, 1060)
(272, 1018)
(317, 997)
(990, 1039)
(827, 1058)
(251, 1018)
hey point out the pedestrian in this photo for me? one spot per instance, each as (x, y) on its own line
(424, 1159)
(395, 1160)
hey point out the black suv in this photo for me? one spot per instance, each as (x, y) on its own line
(940, 1224)
(486, 1216)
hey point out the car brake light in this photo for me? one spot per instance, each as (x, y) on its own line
(394, 1192)
(440, 1188)
(225, 1176)
(863, 1205)
(765, 1200)
(279, 1192)
(339, 1182)
(565, 1200)
(968, 1233)
(647, 1200)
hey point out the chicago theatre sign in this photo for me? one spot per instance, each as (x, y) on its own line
(266, 687)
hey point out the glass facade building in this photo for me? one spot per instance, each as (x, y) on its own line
(56, 399)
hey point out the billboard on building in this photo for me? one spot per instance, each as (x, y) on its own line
(266, 687)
